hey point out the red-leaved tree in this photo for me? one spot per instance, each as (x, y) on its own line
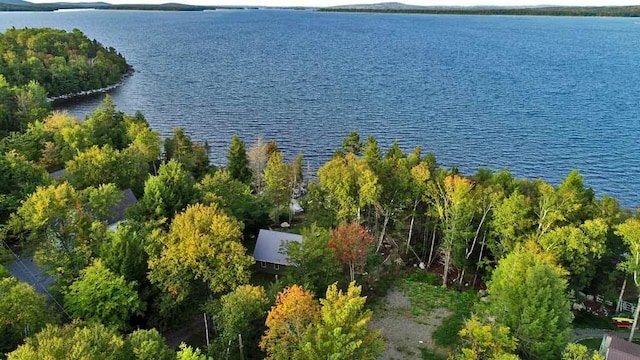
(350, 243)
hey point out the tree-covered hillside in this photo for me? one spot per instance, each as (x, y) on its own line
(62, 62)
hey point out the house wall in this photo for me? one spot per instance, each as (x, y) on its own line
(269, 268)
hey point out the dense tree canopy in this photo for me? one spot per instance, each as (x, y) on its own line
(80, 341)
(528, 294)
(202, 247)
(180, 251)
(342, 332)
(100, 295)
(22, 311)
(62, 62)
(315, 263)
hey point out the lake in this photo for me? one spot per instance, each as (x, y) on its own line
(537, 95)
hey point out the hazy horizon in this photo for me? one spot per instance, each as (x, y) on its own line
(326, 3)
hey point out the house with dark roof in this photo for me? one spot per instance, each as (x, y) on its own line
(270, 252)
(117, 211)
(57, 174)
(615, 348)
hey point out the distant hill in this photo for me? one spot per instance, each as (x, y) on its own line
(398, 6)
(381, 6)
(15, 2)
(80, 5)
(395, 7)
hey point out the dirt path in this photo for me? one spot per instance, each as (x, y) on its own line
(404, 333)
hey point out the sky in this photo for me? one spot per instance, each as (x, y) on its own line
(324, 3)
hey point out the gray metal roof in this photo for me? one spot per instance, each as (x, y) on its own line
(57, 174)
(26, 270)
(269, 243)
(117, 211)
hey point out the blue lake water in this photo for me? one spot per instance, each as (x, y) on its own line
(537, 95)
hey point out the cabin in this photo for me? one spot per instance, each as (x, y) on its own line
(269, 252)
(615, 348)
(57, 175)
(117, 211)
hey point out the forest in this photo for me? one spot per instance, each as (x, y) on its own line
(517, 251)
(43, 62)
(605, 11)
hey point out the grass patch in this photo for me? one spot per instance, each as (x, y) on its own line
(587, 320)
(425, 298)
(430, 355)
(591, 344)
(460, 304)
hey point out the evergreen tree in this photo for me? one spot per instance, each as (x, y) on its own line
(528, 293)
(237, 161)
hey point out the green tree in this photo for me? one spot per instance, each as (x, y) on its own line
(96, 166)
(193, 156)
(237, 161)
(342, 332)
(483, 339)
(125, 253)
(243, 311)
(277, 182)
(576, 199)
(350, 185)
(106, 126)
(575, 351)
(18, 179)
(66, 224)
(578, 248)
(144, 141)
(629, 231)
(528, 293)
(395, 188)
(62, 62)
(236, 199)
(188, 353)
(149, 345)
(168, 193)
(31, 104)
(101, 295)
(352, 144)
(202, 247)
(22, 312)
(73, 342)
(314, 264)
(511, 223)
(454, 204)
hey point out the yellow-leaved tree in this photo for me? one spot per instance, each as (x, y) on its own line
(202, 247)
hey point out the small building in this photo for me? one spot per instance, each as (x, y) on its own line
(270, 250)
(615, 348)
(57, 175)
(117, 211)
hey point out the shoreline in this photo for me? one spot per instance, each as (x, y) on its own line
(64, 97)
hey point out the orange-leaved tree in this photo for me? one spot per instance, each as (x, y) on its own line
(287, 322)
(350, 242)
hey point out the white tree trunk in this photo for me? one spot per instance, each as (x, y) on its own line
(445, 272)
(624, 286)
(413, 217)
(384, 230)
(433, 241)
